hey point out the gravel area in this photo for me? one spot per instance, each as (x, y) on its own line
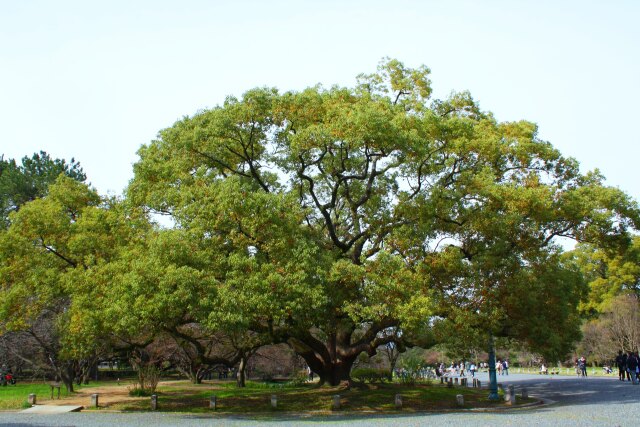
(571, 401)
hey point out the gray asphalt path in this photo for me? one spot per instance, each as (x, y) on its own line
(577, 402)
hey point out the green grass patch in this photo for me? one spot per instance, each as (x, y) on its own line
(256, 398)
(592, 372)
(15, 396)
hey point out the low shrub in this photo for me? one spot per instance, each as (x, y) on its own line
(138, 391)
(371, 375)
(299, 378)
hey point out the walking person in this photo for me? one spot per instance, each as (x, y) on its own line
(621, 361)
(632, 365)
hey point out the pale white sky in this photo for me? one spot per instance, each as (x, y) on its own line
(95, 80)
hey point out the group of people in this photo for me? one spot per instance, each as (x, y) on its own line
(502, 367)
(628, 366)
(581, 366)
(462, 368)
(7, 378)
(457, 369)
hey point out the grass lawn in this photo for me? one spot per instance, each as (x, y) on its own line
(592, 372)
(15, 396)
(256, 398)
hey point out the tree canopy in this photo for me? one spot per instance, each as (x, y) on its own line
(347, 218)
(336, 220)
(24, 182)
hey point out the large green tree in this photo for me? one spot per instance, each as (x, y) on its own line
(55, 259)
(348, 218)
(609, 272)
(29, 180)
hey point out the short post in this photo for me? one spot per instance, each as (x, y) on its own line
(336, 402)
(460, 400)
(525, 393)
(398, 401)
(475, 382)
(94, 400)
(274, 401)
(456, 380)
(512, 395)
(32, 399)
(154, 402)
(450, 383)
(478, 384)
(212, 402)
(442, 380)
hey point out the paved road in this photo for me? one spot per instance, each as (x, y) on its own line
(578, 402)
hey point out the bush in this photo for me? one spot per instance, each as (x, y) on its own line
(299, 379)
(410, 366)
(147, 381)
(138, 391)
(371, 375)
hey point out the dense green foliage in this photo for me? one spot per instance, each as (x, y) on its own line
(21, 183)
(371, 375)
(336, 220)
(609, 274)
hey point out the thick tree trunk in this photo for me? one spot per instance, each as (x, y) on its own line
(336, 373)
(194, 374)
(66, 374)
(332, 358)
(240, 375)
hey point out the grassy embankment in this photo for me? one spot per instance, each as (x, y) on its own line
(256, 398)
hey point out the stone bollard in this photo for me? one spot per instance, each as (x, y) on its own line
(32, 399)
(336, 402)
(464, 382)
(213, 402)
(274, 401)
(460, 400)
(475, 382)
(449, 383)
(456, 380)
(525, 393)
(512, 395)
(478, 384)
(94, 400)
(154, 402)
(398, 401)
